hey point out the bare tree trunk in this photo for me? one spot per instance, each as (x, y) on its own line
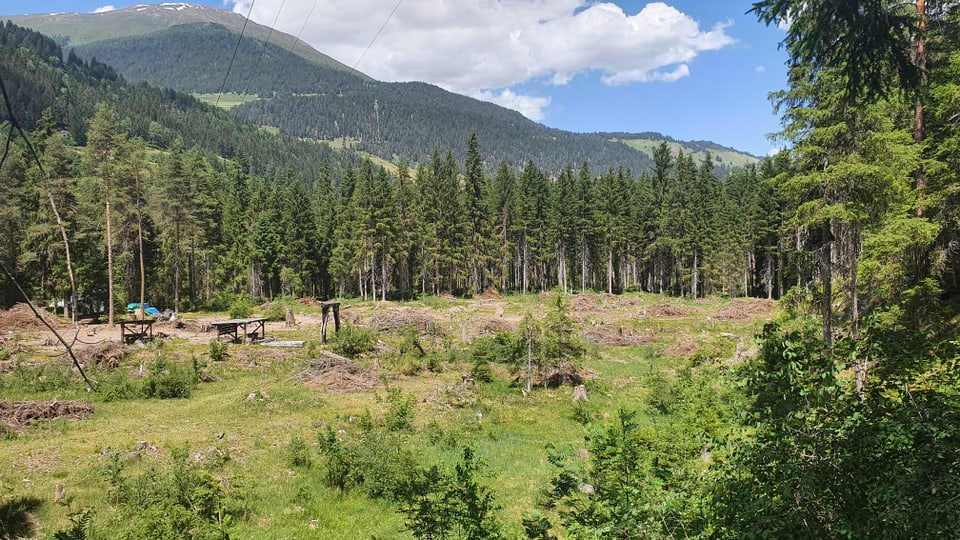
(826, 258)
(143, 272)
(66, 251)
(106, 185)
(694, 276)
(920, 59)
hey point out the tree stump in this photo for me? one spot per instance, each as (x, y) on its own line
(289, 320)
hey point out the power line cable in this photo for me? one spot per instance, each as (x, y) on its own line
(377, 35)
(235, 49)
(266, 45)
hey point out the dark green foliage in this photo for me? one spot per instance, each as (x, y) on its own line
(117, 386)
(878, 61)
(375, 463)
(455, 505)
(399, 415)
(182, 499)
(298, 453)
(79, 524)
(218, 351)
(352, 340)
(15, 519)
(241, 307)
(168, 380)
(831, 458)
(536, 526)
(637, 484)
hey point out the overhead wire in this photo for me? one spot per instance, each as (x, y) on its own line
(235, 49)
(266, 45)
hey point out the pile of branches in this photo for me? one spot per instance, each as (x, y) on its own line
(106, 353)
(396, 320)
(16, 415)
(335, 373)
(21, 317)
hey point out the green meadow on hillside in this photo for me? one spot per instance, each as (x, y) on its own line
(274, 442)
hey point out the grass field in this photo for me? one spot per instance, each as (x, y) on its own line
(243, 426)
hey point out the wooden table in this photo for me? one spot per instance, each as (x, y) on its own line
(239, 330)
(137, 329)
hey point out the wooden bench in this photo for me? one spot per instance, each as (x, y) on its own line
(239, 330)
(138, 329)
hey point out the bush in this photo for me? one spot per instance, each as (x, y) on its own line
(181, 500)
(117, 386)
(352, 340)
(241, 307)
(218, 351)
(167, 380)
(298, 453)
(275, 312)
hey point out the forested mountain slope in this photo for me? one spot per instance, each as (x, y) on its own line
(37, 77)
(286, 88)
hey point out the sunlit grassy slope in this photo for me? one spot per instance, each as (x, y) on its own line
(250, 414)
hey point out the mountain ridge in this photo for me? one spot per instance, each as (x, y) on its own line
(328, 101)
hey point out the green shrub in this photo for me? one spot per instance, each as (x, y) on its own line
(298, 453)
(481, 372)
(218, 351)
(353, 340)
(180, 500)
(276, 312)
(117, 386)
(167, 380)
(241, 307)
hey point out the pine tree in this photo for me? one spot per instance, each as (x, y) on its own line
(103, 140)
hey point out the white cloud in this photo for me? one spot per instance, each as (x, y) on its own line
(774, 151)
(760, 69)
(469, 45)
(530, 106)
(104, 9)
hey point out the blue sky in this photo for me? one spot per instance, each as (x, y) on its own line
(690, 69)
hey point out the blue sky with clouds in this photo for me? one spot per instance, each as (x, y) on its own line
(690, 69)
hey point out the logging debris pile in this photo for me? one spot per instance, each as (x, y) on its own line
(20, 317)
(105, 353)
(395, 320)
(742, 309)
(335, 373)
(17, 415)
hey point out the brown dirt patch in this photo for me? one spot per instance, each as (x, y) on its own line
(490, 293)
(335, 373)
(681, 350)
(745, 308)
(667, 310)
(17, 415)
(312, 302)
(20, 317)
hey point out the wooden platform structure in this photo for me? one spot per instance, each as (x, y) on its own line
(328, 306)
(240, 330)
(137, 329)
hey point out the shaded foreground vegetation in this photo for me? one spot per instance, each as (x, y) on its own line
(692, 428)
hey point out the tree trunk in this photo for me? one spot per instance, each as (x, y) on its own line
(826, 305)
(143, 272)
(106, 192)
(694, 277)
(920, 59)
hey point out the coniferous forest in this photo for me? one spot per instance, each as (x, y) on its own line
(847, 420)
